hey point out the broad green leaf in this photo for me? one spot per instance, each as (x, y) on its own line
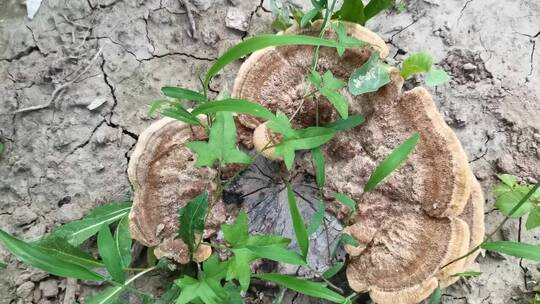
(239, 266)
(374, 7)
(349, 123)
(332, 271)
(352, 11)
(416, 63)
(371, 76)
(61, 249)
(221, 145)
(79, 231)
(282, 125)
(183, 94)
(346, 200)
(253, 44)
(467, 274)
(308, 288)
(277, 253)
(37, 257)
(234, 105)
(329, 89)
(108, 296)
(349, 240)
(509, 180)
(319, 163)
(516, 200)
(391, 162)
(181, 114)
(436, 77)
(317, 219)
(234, 295)
(305, 139)
(109, 254)
(192, 220)
(435, 296)
(299, 227)
(207, 288)
(533, 220)
(122, 240)
(520, 250)
(237, 234)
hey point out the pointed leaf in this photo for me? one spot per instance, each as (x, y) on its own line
(520, 250)
(192, 220)
(374, 7)
(533, 220)
(371, 76)
(183, 94)
(435, 296)
(61, 249)
(278, 254)
(318, 162)
(236, 234)
(352, 11)
(436, 77)
(108, 296)
(349, 123)
(122, 240)
(300, 231)
(345, 200)
(308, 288)
(35, 256)
(349, 240)
(79, 231)
(317, 219)
(416, 63)
(391, 162)
(110, 256)
(332, 271)
(234, 105)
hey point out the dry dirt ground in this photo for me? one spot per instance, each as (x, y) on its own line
(61, 161)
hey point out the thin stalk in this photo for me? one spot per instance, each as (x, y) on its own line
(489, 236)
(327, 15)
(336, 288)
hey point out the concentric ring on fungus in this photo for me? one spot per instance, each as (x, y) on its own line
(424, 214)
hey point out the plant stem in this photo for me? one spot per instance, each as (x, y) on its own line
(325, 279)
(489, 236)
(131, 280)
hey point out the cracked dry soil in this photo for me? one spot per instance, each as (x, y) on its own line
(61, 161)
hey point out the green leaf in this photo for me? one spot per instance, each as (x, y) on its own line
(515, 201)
(122, 240)
(346, 200)
(192, 220)
(329, 89)
(309, 16)
(509, 180)
(282, 125)
(181, 114)
(183, 94)
(317, 219)
(234, 105)
(533, 220)
(253, 44)
(207, 288)
(520, 250)
(234, 295)
(79, 231)
(349, 123)
(2, 148)
(308, 288)
(435, 296)
(436, 77)
(319, 164)
(59, 248)
(110, 256)
(371, 76)
(237, 234)
(277, 253)
(221, 145)
(343, 38)
(305, 139)
(169, 296)
(391, 162)
(352, 11)
(467, 274)
(239, 266)
(416, 63)
(299, 227)
(374, 7)
(156, 105)
(332, 271)
(349, 240)
(35, 256)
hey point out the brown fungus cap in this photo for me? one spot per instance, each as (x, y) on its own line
(420, 217)
(164, 178)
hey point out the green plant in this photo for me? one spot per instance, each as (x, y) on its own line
(225, 281)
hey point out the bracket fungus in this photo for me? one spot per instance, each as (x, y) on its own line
(421, 217)
(164, 178)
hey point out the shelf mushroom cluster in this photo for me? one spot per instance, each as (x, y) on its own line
(424, 215)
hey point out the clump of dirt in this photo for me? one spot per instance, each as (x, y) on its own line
(465, 66)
